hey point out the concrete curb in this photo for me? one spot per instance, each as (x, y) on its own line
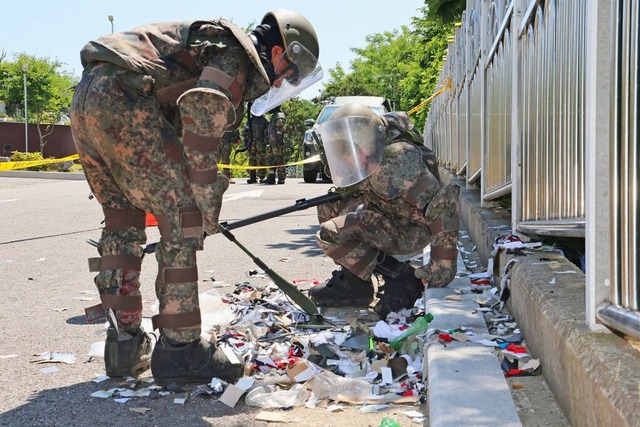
(594, 375)
(465, 381)
(44, 175)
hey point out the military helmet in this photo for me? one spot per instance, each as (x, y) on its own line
(294, 28)
(301, 50)
(353, 140)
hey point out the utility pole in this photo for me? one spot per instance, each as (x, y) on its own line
(25, 68)
(111, 20)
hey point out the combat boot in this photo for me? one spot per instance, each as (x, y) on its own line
(280, 180)
(126, 353)
(270, 179)
(193, 362)
(342, 289)
(401, 287)
(252, 177)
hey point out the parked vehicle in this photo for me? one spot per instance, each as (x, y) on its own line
(312, 144)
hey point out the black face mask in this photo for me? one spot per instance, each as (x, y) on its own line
(268, 67)
(259, 37)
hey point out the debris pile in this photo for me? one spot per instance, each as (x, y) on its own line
(289, 362)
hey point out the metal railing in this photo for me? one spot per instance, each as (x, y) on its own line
(514, 123)
(621, 311)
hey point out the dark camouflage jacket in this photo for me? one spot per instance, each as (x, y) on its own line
(405, 162)
(174, 54)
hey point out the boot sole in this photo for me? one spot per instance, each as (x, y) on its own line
(163, 382)
(129, 372)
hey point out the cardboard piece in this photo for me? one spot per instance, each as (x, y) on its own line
(231, 395)
(300, 372)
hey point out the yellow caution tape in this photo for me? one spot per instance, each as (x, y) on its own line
(447, 85)
(242, 167)
(7, 166)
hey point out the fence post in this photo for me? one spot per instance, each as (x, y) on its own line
(599, 64)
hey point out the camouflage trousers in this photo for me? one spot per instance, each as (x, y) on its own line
(352, 234)
(276, 157)
(133, 161)
(257, 155)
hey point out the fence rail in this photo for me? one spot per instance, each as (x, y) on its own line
(514, 124)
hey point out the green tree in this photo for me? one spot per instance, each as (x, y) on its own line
(445, 11)
(343, 84)
(49, 91)
(297, 111)
(402, 65)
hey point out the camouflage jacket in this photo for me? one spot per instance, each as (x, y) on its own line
(393, 188)
(174, 55)
(408, 190)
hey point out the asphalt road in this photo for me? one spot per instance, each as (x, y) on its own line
(45, 286)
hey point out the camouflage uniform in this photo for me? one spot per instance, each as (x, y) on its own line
(229, 138)
(140, 92)
(277, 129)
(257, 153)
(399, 209)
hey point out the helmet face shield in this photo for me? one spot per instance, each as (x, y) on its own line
(354, 147)
(299, 71)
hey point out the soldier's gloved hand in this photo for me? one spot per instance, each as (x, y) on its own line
(438, 273)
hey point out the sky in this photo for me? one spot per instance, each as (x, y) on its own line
(59, 29)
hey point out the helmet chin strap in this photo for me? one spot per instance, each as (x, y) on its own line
(266, 62)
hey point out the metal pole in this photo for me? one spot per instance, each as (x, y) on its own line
(25, 67)
(111, 20)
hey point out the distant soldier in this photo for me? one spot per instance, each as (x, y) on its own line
(257, 153)
(277, 129)
(230, 138)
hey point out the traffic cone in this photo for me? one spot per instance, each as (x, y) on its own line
(151, 220)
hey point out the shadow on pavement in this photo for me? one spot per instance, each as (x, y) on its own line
(74, 406)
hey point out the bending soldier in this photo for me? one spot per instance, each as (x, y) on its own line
(147, 119)
(397, 206)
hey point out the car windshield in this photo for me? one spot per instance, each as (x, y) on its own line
(326, 113)
(329, 109)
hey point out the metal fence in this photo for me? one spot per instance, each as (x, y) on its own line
(621, 310)
(514, 123)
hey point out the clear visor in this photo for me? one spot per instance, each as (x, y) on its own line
(301, 71)
(354, 147)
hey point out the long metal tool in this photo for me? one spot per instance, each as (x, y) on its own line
(288, 288)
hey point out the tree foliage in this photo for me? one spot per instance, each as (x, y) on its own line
(296, 111)
(49, 90)
(445, 11)
(401, 64)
